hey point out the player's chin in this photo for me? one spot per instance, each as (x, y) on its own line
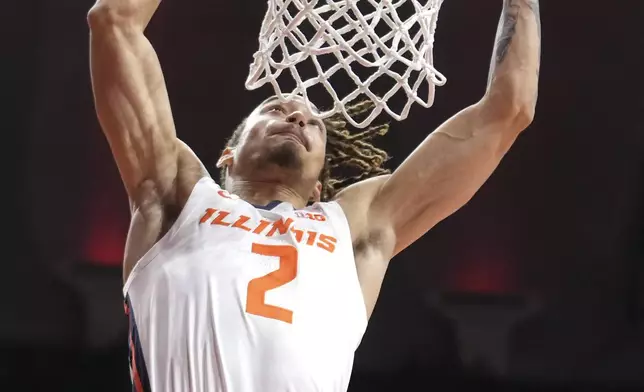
(286, 155)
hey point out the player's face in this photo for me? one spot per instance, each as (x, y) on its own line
(282, 141)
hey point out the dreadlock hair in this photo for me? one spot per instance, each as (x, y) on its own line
(350, 157)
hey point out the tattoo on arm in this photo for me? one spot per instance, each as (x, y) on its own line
(507, 28)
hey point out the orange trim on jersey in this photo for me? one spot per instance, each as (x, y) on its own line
(136, 380)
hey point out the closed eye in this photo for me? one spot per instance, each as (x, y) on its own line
(276, 109)
(316, 123)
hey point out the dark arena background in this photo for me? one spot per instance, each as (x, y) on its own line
(537, 284)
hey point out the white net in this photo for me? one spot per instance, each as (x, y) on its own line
(350, 50)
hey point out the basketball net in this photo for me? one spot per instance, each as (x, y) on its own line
(374, 43)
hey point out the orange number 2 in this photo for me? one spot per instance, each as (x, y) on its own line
(258, 287)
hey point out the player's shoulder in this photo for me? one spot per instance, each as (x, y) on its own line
(190, 171)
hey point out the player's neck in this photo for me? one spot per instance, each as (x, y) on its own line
(262, 193)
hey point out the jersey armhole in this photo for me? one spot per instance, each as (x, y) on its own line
(334, 209)
(154, 251)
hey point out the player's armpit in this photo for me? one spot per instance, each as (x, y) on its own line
(132, 102)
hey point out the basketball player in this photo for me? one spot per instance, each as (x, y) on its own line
(244, 285)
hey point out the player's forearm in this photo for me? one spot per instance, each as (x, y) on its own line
(132, 12)
(514, 72)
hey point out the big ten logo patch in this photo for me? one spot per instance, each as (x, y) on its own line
(311, 216)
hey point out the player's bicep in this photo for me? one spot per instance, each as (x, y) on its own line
(132, 104)
(443, 173)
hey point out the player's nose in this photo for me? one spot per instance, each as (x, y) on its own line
(297, 118)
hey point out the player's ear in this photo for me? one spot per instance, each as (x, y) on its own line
(317, 192)
(227, 158)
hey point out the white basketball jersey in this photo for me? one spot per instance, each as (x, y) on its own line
(239, 298)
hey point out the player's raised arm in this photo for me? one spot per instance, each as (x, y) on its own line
(131, 98)
(447, 169)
